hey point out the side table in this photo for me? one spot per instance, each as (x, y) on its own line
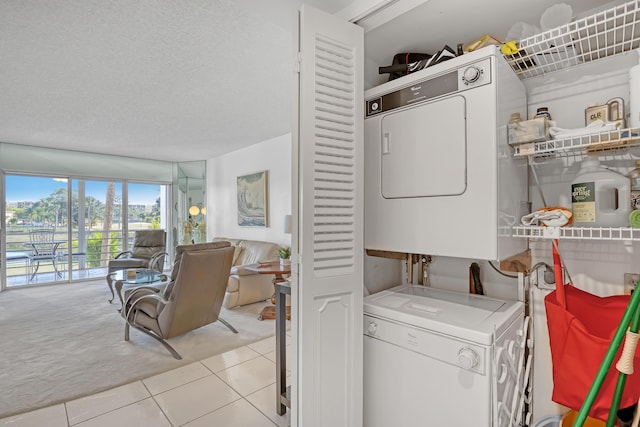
(280, 312)
(283, 393)
(278, 271)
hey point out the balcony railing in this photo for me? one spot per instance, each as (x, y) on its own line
(85, 259)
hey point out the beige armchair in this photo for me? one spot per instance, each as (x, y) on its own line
(148, 252)
(192, 298)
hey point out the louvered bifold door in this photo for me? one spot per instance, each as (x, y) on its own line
(329, 198)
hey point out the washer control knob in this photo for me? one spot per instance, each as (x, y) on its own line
(467, 358)
(372, 328)
(471, 74)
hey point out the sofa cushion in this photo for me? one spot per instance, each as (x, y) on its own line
(236, 255)
(246, 286)
(241, 270)
(234, 284)
(254, 251)
(235, 243)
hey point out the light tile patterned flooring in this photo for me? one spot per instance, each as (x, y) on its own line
(234, 389)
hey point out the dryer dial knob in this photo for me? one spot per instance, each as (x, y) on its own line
(471, 74)
(467, 358)
(372, 328)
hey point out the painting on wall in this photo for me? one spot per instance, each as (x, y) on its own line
(252, 200)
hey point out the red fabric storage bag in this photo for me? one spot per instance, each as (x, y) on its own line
(581, 327)
(580, 336)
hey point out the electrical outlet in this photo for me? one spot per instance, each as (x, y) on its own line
(630, 281)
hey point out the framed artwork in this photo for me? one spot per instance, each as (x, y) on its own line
(253, 200)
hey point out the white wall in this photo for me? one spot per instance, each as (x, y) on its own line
(444, 273)
(274, 156)
(381, 274)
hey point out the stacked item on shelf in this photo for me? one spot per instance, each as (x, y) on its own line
(597, 126)
(600, 122)
(528, 131)
(403, 66)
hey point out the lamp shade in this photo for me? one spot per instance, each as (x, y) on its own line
(194, 210)
(287, 224)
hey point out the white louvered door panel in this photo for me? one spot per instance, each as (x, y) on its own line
(328, 250)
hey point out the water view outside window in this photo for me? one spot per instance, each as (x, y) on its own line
(100, 224)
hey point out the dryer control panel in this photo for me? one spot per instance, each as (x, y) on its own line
(466, 77)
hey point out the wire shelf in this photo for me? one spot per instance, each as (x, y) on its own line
(598, 36)
(581, 144)
(578, 233)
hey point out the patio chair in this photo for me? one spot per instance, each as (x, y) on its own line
(148, 251)
(192, 298)
(43, 248)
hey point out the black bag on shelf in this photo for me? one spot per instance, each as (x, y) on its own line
(411, 62)
(400, 63)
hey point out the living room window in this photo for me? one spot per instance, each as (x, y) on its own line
(47, 242)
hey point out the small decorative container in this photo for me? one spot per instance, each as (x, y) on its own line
(285, 262)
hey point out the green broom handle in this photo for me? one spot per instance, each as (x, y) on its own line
(622, 379)
(608, 359)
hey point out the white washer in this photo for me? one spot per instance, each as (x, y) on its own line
(439, 358)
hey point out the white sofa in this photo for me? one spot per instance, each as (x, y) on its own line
(246, 287)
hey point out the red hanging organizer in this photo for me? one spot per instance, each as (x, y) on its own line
(581, 326)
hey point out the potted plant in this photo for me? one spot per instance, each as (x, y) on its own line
(284, 253)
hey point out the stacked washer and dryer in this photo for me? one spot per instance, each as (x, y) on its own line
(440, 179)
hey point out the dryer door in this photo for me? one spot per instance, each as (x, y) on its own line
(424, 150)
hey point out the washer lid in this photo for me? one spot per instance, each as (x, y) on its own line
(472, 317)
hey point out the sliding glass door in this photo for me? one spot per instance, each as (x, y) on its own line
(36, 217)
(97, 228)
(46, 242)
(146, 209)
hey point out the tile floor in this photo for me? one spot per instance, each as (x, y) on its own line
(235, 389)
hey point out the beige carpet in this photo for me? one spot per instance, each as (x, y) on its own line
(62, 342)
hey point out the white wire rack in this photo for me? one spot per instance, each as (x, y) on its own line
(583, 144)
(581, 233)
(598, 36)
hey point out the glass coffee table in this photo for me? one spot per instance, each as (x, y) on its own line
(132, 278)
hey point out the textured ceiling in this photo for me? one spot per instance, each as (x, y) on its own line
(173, 80)
(186, 79)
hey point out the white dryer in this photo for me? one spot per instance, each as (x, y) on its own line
(439, 358)
(440, 177)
